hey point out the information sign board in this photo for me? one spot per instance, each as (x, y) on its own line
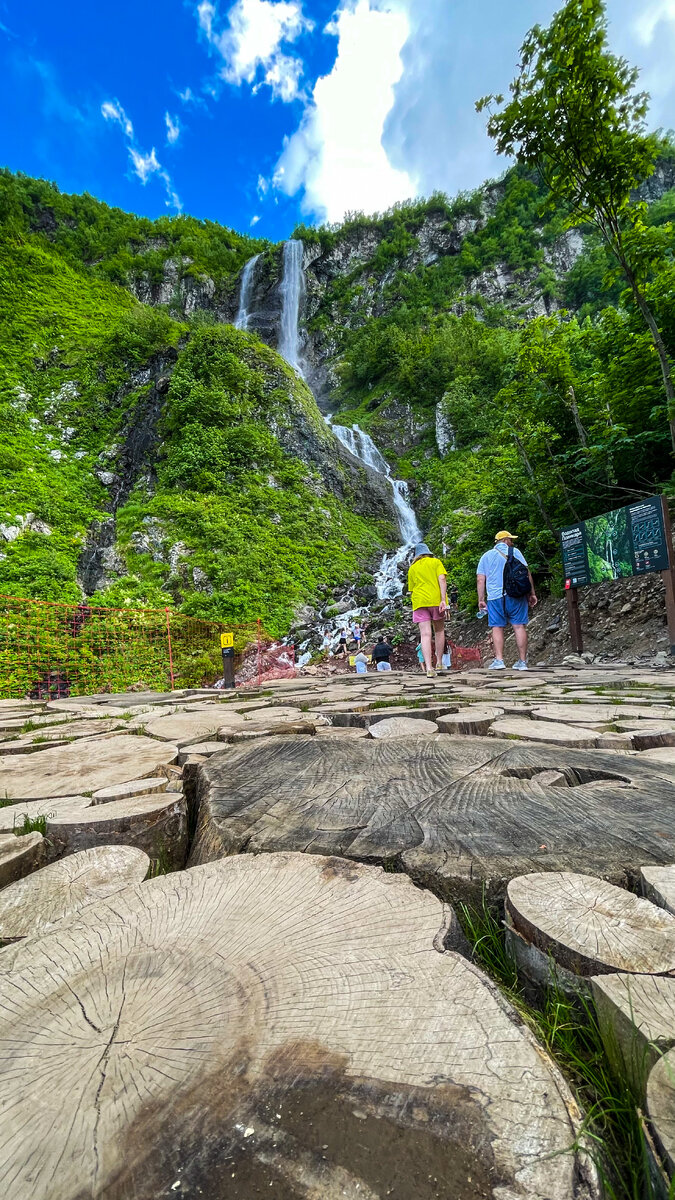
(626, 541)
(226, 641)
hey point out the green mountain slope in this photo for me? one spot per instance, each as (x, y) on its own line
(149, 460)
(152, 454)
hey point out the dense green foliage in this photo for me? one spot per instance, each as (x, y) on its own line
(115, 245)
(76, 359)
(254, 519)
(575, 115)
(67, 346)
(552, 384)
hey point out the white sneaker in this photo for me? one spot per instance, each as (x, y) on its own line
(521, 665)
(497, 664)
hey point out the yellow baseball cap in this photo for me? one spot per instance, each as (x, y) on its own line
(504, 534)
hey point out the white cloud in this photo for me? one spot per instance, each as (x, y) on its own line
(172, 128)
(650, 18)
(251, 43)
(262, 186)
(112, 111)
(254, 221)
(145, 165)
(337, 155)
(456, 53)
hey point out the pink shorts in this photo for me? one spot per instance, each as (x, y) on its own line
(420, 615)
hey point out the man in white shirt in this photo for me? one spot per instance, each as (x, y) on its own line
(502, 609)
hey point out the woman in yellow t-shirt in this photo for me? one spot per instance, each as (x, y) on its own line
(427, 580)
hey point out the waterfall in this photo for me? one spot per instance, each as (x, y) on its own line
(292, 292)
(247, 276)
(387, 580)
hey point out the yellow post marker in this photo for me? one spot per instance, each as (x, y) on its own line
(227, 647)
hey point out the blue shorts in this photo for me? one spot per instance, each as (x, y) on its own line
(517, 612)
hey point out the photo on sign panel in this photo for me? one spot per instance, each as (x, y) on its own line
(609, 546)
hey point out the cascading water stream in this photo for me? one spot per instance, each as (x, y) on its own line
(388, 579)
(292, 292)
(247, 277)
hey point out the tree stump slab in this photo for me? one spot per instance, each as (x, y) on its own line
(636, 1015)
(280, 729)
(658, 885)
(205, 749)
(72, 770)
(430, 712)
(36, 903)
(662, 754)
(339, 732)
(661, 1112)
(402, 727)
(279, 1026)
(12, 815)
(156, 824)
(126, 791)
(601, 713)
(65, 730)
(20, 855)
(470, 721)
(544, 731)
(589, 926)
(652, 737)
(456, 813)
(192, 726)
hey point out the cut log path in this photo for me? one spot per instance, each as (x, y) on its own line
(455, 812)
(280, 1026)
(34, 904)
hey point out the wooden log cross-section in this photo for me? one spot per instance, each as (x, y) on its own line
(284, 1025)
(20, 855)
(661, 1115)
(456, 812)
(72, 770)
(587, 926)
(34, 904)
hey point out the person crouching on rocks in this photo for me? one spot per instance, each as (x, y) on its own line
(382, 653)
(427, 580)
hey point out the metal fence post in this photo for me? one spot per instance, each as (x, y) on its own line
(168, 635)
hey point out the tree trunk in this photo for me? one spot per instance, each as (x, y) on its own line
(530, 471)
(659, 346)
(577, 419)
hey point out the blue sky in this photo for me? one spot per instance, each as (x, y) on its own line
(260, 113)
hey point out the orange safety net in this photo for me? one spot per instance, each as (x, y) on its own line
(51, 650)
(461, 656)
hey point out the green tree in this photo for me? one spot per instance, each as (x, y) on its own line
(575, 114)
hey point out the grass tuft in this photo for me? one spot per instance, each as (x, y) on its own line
(36, 824)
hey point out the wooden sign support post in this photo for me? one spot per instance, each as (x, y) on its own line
(574, 617)
(227, 647)
(668, 576)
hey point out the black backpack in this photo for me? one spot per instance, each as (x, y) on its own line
(516, 578)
